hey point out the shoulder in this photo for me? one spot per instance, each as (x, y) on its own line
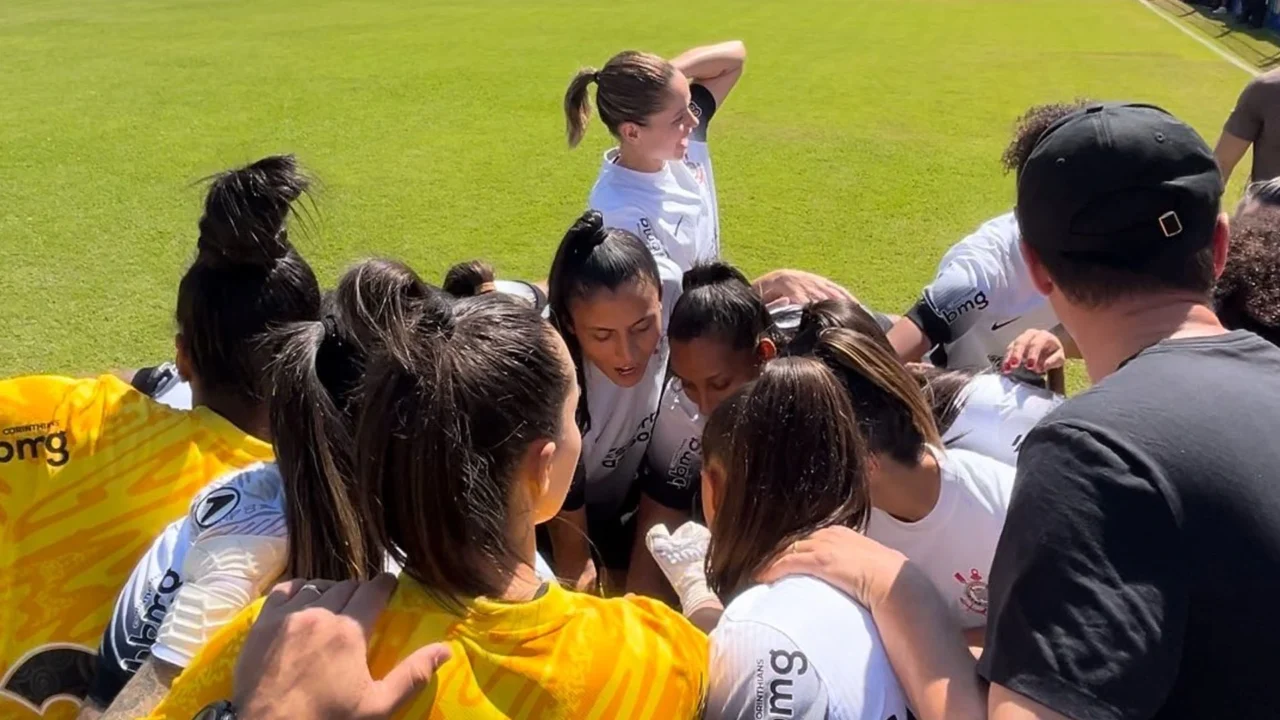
(983, 476)
(996, 237)
(248, 500)
(672, 645)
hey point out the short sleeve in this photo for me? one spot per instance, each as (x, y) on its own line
(757, 671)
(673, 486)
(703, 106)
(1245, 121)
(1087, 598)
(959, 297)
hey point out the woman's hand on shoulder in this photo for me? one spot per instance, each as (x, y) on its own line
(846, 559)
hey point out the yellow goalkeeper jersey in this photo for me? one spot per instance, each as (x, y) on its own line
(90, 472)
(565, 655)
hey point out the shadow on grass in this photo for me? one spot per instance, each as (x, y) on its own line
(1259, 47)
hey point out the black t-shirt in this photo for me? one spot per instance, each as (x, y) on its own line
(1138, 575)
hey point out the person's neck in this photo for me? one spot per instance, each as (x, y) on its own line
(1110, 336)
(250, 417)
(630, 160)
(907, 492)
(522, 584)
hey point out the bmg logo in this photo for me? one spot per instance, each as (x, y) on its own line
(54, 444)
(977, 302)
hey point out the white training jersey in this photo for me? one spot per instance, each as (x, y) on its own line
(955, 542)
(675, 450)
(674, 210)
(996, 413)
(204, 569)
(982, 298)
(800, 649)
(201, 571)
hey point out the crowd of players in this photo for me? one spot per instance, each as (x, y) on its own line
(653, 488)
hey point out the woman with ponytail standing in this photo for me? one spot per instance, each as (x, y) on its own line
(294, 517)
(658, 182)
(466, 441)
(94, 469)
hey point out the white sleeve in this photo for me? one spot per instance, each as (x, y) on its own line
(238, 550)
(757, 671)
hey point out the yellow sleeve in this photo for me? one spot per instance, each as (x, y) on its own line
(687, 678)
(32, 398)
(211, 675)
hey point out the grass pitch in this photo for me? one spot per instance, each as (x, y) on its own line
(863, 140)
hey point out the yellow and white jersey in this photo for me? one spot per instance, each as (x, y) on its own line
(91, 471)
(562, 656)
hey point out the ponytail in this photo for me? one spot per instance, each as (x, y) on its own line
(246, 277)
(817, 317)
(577, 105)
(442, 430)
(891, 410)
(317, 376)
(312, 436)
(629, 88)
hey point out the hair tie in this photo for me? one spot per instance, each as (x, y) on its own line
(595, 77)
(330, 327)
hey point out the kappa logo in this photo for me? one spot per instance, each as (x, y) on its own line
(215, 506)
(974, 597)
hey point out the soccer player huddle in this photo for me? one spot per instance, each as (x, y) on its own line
(651, 487)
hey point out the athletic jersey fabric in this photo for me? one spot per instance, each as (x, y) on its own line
(982, 298)
(800, 649)
(955, 542)
(90, 472)
(199, 574)
(674, 457)
(673, 210)
(163, 383)
(562, 655)
(997, 413)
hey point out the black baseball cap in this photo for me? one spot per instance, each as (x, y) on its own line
(1115, 182)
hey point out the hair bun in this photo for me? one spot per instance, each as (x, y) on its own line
(468, 279)
(712, 273)
(245, 212)
(587, 231)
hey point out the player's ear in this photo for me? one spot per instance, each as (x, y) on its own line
(766, 350)
(1039, 276)
(629, 132)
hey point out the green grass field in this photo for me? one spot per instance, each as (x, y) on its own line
(863, 140)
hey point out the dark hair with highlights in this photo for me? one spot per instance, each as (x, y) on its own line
(892, 412)
(1028, 128)
(316, 379)
(246, 277)
(718, 301)
(592, 257)
(444, 424)
(629, 88)
(1247, 295)
(793, 462)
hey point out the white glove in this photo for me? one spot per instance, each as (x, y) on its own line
(682, 557)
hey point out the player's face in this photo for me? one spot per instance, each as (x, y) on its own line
(711, 370)
(619, 330)
(665, 133)
(568, 446)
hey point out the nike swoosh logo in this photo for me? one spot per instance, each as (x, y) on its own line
(997, 326)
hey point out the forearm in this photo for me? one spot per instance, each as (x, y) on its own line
(908, 340)
(927, 652)
(144, 692)
(89, 711)
(711, 61)
(1229, 151)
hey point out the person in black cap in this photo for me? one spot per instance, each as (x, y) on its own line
(1137, 571)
